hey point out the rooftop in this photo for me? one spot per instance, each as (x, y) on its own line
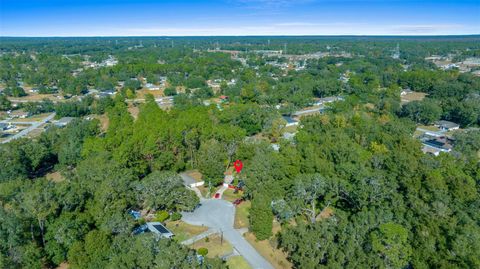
(158, 228)
(447, 124)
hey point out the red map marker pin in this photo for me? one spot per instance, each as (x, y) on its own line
(238, 166)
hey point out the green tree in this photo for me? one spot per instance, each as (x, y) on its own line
(5, 104)
(211, 161)
(390, 242)
(261, 217)
(165, 191)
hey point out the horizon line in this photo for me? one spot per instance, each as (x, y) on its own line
(319, 35)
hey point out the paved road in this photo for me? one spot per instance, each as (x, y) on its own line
(302, 112)
(32, 127)
(219, 215)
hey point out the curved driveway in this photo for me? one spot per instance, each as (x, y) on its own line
(219, 214)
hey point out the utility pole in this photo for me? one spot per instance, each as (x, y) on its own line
(285, 48)
(221, 237)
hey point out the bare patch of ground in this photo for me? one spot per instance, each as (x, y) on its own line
(413, 96)
(55, 177)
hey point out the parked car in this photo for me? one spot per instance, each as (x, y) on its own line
(217, 195)
(237, 201)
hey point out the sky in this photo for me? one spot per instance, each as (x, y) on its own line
(238, 17)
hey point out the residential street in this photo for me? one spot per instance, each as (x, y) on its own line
(219, 214)
(32, 127)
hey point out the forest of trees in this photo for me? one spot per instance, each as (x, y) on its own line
(351, 190)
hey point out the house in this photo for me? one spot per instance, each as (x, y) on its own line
(290, 121)
(158, 229)
(223, 98)
(152, 87)
(63, 122)
(447, 125)
(106, 93)
(405, 92)
(326, 100)
(435, 145)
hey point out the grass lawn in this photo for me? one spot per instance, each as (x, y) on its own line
(203, 190)
(195, 174)
(429, 127)
(268, 250)
(216, 248)
(184, 231)
(291, 129)
(417, 133)
(36, 132)
(238, 262)
(241, 215)
(230, 196)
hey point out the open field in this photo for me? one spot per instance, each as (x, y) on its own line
(215, 246)
(184, 231)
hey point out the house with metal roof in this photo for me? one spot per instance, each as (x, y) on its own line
(158, 229)
(447, 125)
(290, 121)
